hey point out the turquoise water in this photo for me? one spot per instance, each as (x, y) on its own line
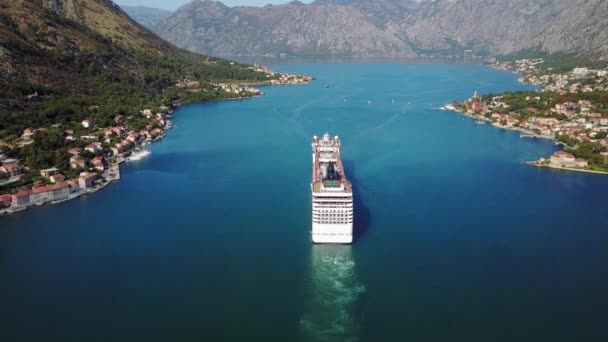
(208, 238)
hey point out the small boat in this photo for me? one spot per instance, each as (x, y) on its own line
(327, 86)
(480, 122)
(369, 102)
(139, 155)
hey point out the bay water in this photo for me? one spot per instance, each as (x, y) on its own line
(208, 239)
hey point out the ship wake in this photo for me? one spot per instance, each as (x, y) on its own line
(335, 294)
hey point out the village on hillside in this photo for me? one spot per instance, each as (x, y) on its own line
(571, 108)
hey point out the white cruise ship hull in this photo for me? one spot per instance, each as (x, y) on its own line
(332, 233)
(332, 194)
(332, 218)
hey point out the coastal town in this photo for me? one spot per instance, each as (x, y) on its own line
(85, 155)
(570, 108)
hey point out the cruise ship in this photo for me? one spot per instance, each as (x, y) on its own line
(332, 193)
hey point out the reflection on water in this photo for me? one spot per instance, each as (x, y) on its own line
(335, 291)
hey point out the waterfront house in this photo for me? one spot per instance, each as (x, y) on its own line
(21, 198)
(156, 132)
(86, 179)
(74, 186)
(5, 201)
(563, 159)
(580, 162)
(122, 147)
(545, 130)
(49, 193)
(512, 122)
(145, 134)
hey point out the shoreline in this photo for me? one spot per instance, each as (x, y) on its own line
(102, 185)
(548, 166)
(268, 83)
(115, 167)
(528, 134)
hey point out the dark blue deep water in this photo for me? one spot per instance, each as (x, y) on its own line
(208, 238)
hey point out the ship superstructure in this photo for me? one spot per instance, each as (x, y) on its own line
(332, 193)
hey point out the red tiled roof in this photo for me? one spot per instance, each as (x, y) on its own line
(23, 193)
(48, 188)
(58, 177)
(562, 154)
(10, 167)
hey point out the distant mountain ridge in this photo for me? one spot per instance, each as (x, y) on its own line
(293, 28)
(147, 16)
(389, 28)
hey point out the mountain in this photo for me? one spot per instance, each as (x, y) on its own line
(389, 28)
(293, 28)
(79, 54)
(147, 16)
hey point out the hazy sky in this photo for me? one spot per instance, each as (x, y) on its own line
(173, 4)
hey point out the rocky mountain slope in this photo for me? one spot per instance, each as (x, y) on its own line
(81, 53)
(293, 28)
(147, 16)
(392, 27)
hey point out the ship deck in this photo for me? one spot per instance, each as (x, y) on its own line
(317, 181)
